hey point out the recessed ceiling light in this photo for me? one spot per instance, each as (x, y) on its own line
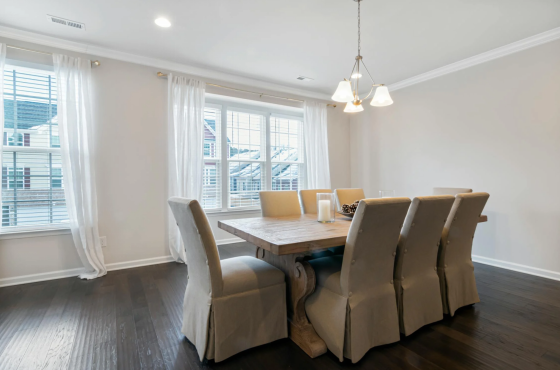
(163, 22)
(303, 78)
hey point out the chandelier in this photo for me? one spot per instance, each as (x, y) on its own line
(347, 91)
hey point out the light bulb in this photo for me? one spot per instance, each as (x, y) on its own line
(356, 75)
(163, 22)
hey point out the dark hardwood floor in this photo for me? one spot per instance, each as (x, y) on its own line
(131, 319)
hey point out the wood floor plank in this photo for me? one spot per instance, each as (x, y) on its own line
(105, 340)
(39, 347)
(19, 329)
(504, 352)
(64, 336)
(127, 347)
(169, 336)
(131, 319)
(149, 351)
(83, 346)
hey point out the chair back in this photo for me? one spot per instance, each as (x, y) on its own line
(368, 260)
(279, 203)
(418, 246)
(348, 196)
(308, 199)
(200, 246)
(451, 191)
(458, 232)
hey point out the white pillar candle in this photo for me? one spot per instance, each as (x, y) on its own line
(324, 211)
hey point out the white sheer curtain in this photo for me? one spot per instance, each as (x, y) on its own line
(185, 125)
(75, 125)
(2, 64)
(316, 146)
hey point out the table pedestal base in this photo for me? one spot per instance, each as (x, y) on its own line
(299, 285)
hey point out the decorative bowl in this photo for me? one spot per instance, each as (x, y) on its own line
(351, 215)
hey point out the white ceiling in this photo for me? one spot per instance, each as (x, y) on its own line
(276, 41)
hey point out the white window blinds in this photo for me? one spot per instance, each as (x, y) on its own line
(32, 189)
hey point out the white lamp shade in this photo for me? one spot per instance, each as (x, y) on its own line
(381, 97)
(343, 93)
(351, 108)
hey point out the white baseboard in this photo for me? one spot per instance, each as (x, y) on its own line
(517, 267)
(138, 263)
(33, 278)
(229, 241)
(26, 279)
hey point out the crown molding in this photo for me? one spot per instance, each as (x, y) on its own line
(26, 36)
(514, 47)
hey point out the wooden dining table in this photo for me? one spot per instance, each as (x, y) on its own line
(286, 242)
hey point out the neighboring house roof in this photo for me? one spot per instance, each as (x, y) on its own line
(279, 170)
(28, 114)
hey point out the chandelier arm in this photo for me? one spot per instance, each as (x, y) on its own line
(369, 74)
(357, 95)
(370, 91)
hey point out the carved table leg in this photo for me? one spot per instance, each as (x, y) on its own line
(300, 284)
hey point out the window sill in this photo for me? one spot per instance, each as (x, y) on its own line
(34, 232)
(216, 213)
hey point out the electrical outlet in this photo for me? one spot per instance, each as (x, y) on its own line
(103, 240)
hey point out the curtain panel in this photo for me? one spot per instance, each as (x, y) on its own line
(316, 146)
(76, 144)
(185, 124)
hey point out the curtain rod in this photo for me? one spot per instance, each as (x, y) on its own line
(160, 74)
(94, 63)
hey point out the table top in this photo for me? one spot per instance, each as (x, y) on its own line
(292, 234)
(289, 234)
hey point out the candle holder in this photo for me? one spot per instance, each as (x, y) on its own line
(386, 193)
(325, 207)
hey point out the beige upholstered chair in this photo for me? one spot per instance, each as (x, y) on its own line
(229, 306)
(455, 267)
(353, 307)
(415, 278)
(348, 196)
(451, 191)
(308, 199)
(279, 203)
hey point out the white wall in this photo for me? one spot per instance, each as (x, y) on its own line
(130, 114)
(494, 127)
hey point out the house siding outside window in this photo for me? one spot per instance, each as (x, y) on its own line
(32, 188)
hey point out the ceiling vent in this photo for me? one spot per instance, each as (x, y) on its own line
(303, 78)
(66, 22)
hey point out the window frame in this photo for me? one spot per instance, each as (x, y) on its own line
(266, 162)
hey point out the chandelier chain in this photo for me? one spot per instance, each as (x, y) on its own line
(359, 33)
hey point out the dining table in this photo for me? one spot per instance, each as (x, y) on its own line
(287, 243)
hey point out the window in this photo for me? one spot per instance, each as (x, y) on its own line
(211, 197)
(32, 189)
(246, 157)
(15, 178)
(260, 150)
(286, 151)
